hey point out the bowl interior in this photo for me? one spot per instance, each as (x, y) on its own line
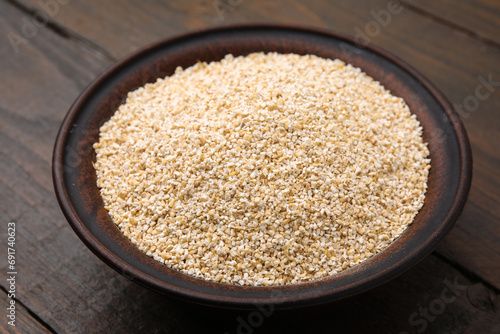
(75, 178)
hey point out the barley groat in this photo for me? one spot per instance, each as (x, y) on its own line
(267, 169)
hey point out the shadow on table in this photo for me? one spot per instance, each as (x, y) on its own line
(430, 298)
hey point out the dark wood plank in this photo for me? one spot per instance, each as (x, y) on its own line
(420, 40)
(24, 322)
(122, 27)
(479, 17)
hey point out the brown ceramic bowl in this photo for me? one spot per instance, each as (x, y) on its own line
(78, 195)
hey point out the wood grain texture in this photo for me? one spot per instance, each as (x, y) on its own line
(74, 292)
(476, 17)
(420, 40)
(24, 322)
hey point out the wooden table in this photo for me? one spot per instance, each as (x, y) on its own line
(51, 49)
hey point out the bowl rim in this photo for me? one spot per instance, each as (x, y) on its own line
(111, 259)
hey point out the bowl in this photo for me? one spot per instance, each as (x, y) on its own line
(75, 178)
